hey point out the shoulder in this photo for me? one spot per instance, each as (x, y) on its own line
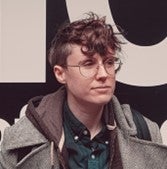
(21, 134)
(18, 137)
(154, 130)
(125, 119)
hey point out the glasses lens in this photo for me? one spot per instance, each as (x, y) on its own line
(111, 64)
(117, 64)
(88, 71)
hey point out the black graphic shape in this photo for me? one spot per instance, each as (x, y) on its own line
(144, 22)
(150, 101)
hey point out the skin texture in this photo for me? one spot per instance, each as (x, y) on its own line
(86, 96)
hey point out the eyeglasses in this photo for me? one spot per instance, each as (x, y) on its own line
(90, 67)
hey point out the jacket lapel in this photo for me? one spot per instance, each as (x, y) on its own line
(25, 135)
(141, 154)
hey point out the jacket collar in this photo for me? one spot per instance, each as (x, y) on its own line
(24, 135)
(46, 115)
(124, 117)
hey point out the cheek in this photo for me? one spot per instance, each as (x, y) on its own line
(78, 90)
(113, 84)
(80, 86)
(77, 84)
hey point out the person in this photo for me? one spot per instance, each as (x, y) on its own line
(82, 125)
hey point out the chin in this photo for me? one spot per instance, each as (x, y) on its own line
(102, 101)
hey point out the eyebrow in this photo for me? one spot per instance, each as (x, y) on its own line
(86, 59)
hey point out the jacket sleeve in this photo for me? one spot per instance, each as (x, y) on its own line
(8, 158)
(154, 131)
(1, 167)
(5, 161)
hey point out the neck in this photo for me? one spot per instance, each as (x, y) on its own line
(88, 114)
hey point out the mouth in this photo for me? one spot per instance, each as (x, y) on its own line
(102, 88)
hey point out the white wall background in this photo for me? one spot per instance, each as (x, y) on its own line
(22, 40)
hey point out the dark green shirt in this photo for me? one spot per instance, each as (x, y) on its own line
(84, 153)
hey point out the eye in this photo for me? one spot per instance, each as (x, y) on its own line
(88, 63)
(110, 62)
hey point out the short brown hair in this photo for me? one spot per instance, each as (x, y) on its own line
(92, 33)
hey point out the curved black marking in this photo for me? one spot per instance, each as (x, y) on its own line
(144, 22)
(150, 101)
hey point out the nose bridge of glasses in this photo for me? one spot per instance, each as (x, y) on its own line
(101, 68)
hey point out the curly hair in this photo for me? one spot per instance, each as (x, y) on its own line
(93, 34)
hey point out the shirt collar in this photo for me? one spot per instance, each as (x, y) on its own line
(74, 125)
(78, 129)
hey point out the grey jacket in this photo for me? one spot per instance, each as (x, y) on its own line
(135, 153)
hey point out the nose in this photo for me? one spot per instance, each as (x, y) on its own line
(101, 71)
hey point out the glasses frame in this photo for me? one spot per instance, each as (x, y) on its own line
(116, 61)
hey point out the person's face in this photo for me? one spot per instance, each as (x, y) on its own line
(98, 89)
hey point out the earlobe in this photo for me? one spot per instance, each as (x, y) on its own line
(59, 73)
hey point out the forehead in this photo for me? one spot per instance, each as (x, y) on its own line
(77, 55)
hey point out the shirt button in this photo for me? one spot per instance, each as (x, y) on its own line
(76, 138)
(106, 142)
(93, 156)
(85, 132)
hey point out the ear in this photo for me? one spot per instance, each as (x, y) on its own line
(59, 73)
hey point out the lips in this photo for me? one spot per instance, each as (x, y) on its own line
(102, 89)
